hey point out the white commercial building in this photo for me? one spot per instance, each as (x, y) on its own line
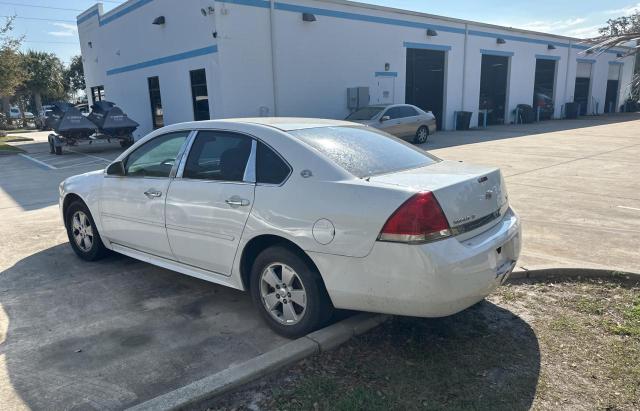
(167, 61)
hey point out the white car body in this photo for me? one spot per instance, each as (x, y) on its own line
(16, 114)
(334, 217)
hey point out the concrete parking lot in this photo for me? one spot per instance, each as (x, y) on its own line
(111, 334)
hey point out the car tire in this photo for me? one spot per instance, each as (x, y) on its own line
(52, 148)
(58, 150)
(83, 233)
(421, 135)
(287, 316)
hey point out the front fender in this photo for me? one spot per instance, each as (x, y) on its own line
(87, 187)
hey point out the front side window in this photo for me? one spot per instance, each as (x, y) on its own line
(270, 167)
(199, 95)
(218, 155)
(363, 151)
(157, 114)
(394, 112)
(156, 157)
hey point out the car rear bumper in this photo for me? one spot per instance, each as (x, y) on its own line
(429, 280)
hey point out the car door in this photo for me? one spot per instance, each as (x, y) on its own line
(210, 200)
(394, 124)
(410, 121)
(133, 206)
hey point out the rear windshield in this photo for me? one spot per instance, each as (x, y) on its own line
(366, 113)
(364, 151)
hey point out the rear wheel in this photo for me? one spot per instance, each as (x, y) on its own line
(83, 233)
(58, 150)
(421, 135)
(126, 143)
(289, 293)
(52, 149)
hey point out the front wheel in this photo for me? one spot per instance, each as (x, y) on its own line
(421, 135)
(83, 233)
(289, 293)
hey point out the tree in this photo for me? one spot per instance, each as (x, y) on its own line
(44, 76)
(11, 75)
(75, 74)
(621, 31)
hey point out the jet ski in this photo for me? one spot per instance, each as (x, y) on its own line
(112, 122)
(69, 126)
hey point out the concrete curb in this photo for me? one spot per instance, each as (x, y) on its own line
(288, 354)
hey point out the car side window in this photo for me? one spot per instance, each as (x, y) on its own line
(218, 155)
(394, 112)
(270, 167)
(156, 157)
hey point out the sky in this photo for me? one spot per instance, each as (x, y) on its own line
(49, 25)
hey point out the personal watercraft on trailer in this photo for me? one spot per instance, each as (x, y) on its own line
(112, 122)
(105, 122)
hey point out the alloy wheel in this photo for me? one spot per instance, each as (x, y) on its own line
(422, 135)
(82, 231)
(283, 294)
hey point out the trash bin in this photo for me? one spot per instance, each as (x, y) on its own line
(463, 120)
(571, 110)
(526, 113)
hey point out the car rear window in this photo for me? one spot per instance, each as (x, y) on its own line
(364, 151)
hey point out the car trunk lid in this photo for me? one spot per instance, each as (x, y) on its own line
(471, 197)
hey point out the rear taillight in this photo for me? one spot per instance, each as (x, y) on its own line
(419, 220)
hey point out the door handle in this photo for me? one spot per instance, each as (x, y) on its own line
(151, 193)
(237, 202)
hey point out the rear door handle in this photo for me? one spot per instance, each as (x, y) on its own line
(237, 202)
(151, 193)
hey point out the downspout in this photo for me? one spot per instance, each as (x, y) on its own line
(464, 66)
(566, 79)
(274, 81)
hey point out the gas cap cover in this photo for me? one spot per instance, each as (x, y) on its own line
(324, 231)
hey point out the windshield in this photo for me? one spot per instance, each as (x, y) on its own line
(366, 113)
(364, 151)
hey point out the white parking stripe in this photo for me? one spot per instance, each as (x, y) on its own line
(42, 163)
(90, 155)
(629, 208)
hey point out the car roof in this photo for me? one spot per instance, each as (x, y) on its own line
(280, 123)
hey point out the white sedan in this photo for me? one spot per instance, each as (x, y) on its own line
(308, 215)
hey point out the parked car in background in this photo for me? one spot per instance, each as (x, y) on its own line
(308, 215)
(41, 120)
(15, 114)
(402, 120)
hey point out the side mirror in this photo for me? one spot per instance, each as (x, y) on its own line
(385, 118)
(116, 169)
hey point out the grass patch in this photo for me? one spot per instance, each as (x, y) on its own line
(9, 149)
(12, 139)
(546, 346)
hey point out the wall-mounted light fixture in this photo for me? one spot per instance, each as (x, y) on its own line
(387, 66)
(308, 17)
(215, 34)
(90, 44)
(551, 47)
(431, 32)
(159, 20)
(209, 10)
(500, 40)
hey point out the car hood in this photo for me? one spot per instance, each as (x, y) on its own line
(371, 123)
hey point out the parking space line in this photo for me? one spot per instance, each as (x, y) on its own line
(40, 163)
(629, 208)
(90, 155)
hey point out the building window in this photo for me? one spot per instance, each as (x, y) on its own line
(97, 93)
(199, 95)
(157, 115)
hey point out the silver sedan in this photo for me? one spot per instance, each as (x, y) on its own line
(402, 120)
